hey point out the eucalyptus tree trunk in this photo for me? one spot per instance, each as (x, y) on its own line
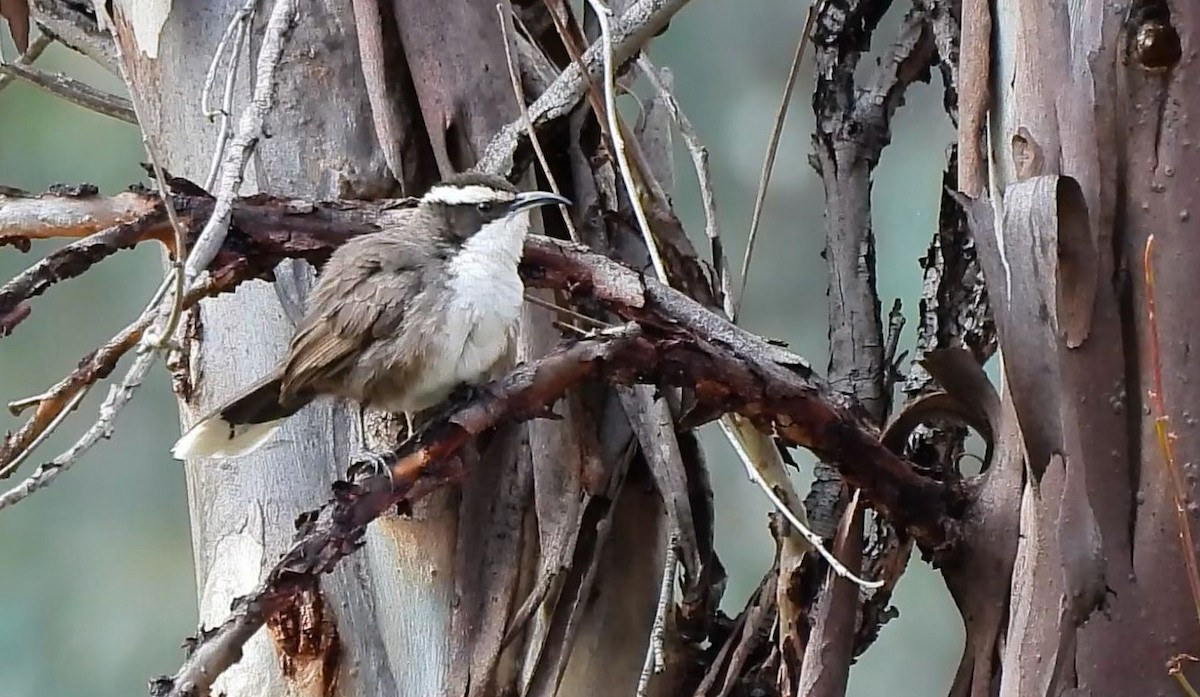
(1092, 145)
(380, 100)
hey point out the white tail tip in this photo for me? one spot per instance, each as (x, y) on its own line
(217, 438)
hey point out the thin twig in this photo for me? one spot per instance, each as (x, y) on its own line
(1175, 670)
(638, 24)
(604, 16)
(17, 406)
(508, 32)
(656, 659)
(157, 337)
(769, 163)
(30, 55)
(546, 304)
(594, 96)
(708, 201)
(1184, 685)
(160, 337)
(9, 467)
(283, 12)
(73, 91)
(738, 437)
(1166, 440)
(118, 345)
(117, 398)
(237, 32)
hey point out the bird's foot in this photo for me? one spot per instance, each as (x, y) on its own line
(368, 464)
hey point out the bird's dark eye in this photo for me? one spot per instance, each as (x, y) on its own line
(486, 206)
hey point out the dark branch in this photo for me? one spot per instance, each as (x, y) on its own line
(731, 369)
(71, 261)
(737, 370)
(73, 91)
(853, 127)
(681, 342)
(330, 533)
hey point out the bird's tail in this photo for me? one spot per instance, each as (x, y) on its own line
(239, 426)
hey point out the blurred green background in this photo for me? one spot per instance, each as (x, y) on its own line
(96, 582)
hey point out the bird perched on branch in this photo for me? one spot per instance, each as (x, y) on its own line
(398, 319)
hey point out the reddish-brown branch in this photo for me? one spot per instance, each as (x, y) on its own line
(734, 372)
(265, 231)
(73, 260)
(731, 369)
(67, 212)
(327, 535)
(673, 340)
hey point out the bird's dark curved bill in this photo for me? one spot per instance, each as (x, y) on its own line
(533, 199)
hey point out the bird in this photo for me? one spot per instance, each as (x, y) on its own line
(398, 319)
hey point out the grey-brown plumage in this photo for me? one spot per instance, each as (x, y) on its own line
(398, 318)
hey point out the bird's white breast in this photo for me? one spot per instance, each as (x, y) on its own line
(485, 295)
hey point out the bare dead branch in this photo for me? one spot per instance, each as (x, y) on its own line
(62, 213)
(74, 25)
(615, 132)
(730, 368)
(54, 404)
(655, 660)
(234, 37)
(11, 466)
(118, 397)
(73, 91)
(631, 353)
(636, 26)
(73, 260)
(34, 51)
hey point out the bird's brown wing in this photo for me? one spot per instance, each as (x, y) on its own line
(367, 286)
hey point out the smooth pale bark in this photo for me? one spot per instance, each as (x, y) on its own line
(322, 145)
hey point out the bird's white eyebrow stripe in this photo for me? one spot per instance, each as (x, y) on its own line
(465, 195)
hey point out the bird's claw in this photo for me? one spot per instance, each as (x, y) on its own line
(368, 464)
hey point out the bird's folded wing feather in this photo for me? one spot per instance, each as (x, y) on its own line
(362, 295)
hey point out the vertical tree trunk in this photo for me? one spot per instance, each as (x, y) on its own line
(1093, 151)
(423, 609)
(321, 147)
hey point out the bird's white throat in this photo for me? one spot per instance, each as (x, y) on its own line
(485, 297)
